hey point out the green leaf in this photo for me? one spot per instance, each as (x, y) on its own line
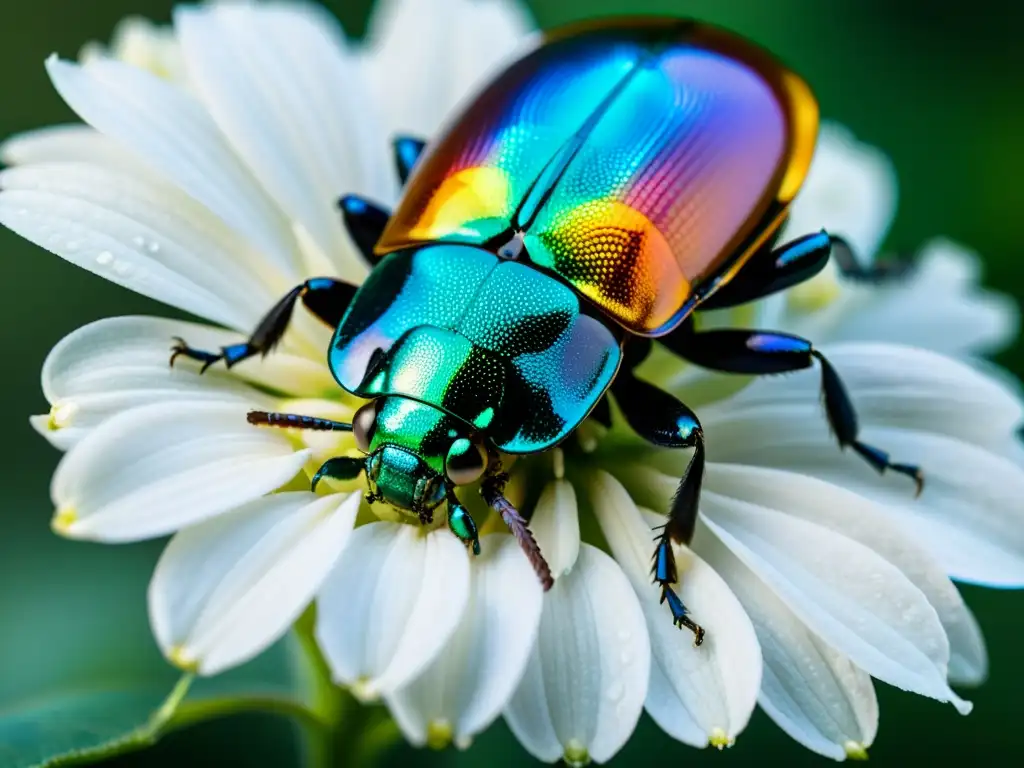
(77, 728)
(80, 674)
(81, 727)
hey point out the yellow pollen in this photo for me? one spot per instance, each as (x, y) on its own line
(558, 461)
(855, 750)
(719, 739)
(439, 734)
(61, 414)
(180, 657)
(364, 690)
(575, 754)
(816, 293)
(65, 517)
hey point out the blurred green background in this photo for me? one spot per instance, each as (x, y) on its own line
(938, 86)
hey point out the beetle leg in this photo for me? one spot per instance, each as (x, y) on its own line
(325, 297)
(365, 223)
(461, 522)
(877, 272)
(661, 419)
(338, 468)
(771, 270)
(758, 353)
(407, 151)
(492, 489)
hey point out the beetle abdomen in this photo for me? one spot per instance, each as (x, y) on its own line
(637, 159)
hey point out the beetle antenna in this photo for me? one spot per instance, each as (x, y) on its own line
(491, 490)
(295, 421)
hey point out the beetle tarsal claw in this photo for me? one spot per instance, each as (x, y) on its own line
(680, 614)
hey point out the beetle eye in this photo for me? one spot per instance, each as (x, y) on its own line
(364, 424)
(466, 461)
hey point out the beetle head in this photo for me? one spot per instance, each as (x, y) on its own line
(417, 453)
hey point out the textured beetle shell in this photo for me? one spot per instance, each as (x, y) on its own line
(498, 344)
(642, 161)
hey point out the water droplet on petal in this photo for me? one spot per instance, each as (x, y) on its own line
(154, 247)
(104, 258)
(616, 691)
(626, 657)
(123, 268)
(139, 241)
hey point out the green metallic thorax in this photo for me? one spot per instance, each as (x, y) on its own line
(493, 342)
(407, 453)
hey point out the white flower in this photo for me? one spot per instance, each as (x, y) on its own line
(851, 191)
(211, 187)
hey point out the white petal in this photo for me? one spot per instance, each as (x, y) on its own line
(118, 363)
(142, 234)
(280, 85)
(584, 686)
(939, 307)
(815, 694)
(874, 526)
(464, 690)
(173, 134)
(857, 602)
(893, 386)
(68, 144)
(969, 515)
(556, 526)
(152, 470)
(850, 190)
(428, 55)
(391, 605)
(227, 588)
(699, 695)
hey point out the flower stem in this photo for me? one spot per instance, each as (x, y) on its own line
(356, 735)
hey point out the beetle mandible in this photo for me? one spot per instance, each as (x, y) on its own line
(588, 200)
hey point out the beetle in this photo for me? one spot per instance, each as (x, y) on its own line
(586, 202)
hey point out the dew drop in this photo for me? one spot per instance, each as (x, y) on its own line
(139, 241)
(123, 268)
(153, 247)
(615, 691)
(104, 258)
(626, 657)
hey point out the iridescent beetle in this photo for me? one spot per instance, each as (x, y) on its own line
(605, 186)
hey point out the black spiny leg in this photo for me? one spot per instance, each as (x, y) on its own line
(325, 297)
(774, 269)
(771, 270)
(365, 223)
(878, 272)
(407, 151)
(759, 352)
(661, 419)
